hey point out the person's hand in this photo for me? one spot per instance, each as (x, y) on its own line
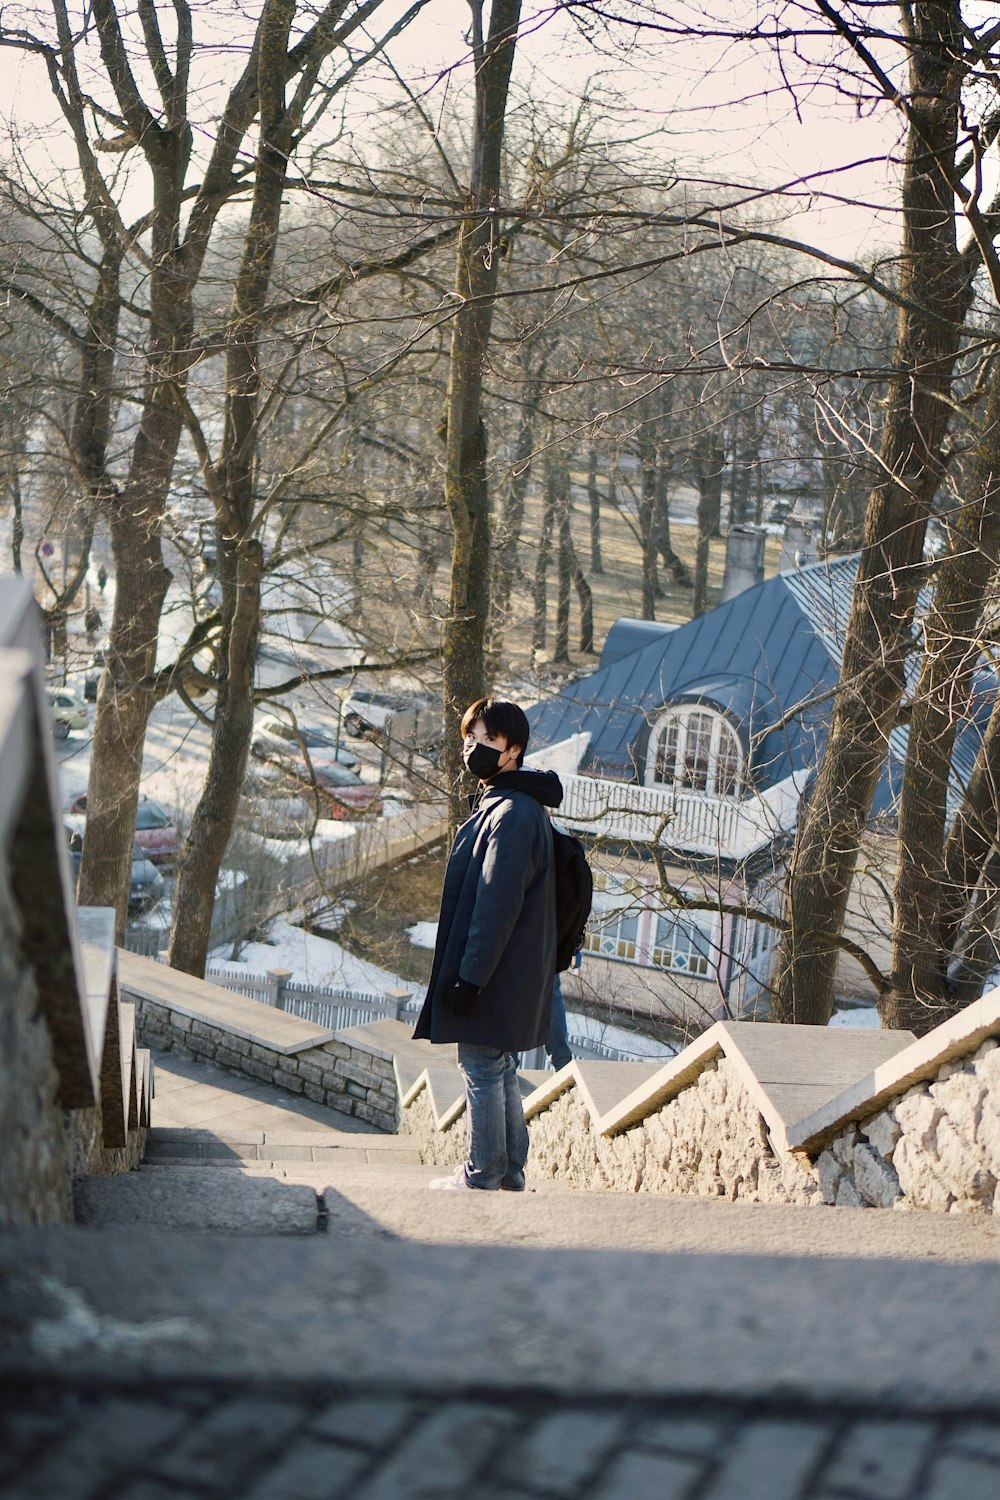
(462, 997)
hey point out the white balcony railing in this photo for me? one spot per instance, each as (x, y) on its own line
(686, 820)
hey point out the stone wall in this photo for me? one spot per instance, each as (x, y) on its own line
(353, 1079)
(936, 1147)
(710, 1142)
(438, 1148)
(35, 1159)
(90, 1157)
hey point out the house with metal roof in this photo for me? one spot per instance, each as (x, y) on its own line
(684, 758)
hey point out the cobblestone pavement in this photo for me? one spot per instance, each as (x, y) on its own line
(141, 1441)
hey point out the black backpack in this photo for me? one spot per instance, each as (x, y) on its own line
(574, 894)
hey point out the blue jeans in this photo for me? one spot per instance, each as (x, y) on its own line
(557, 1045)
(498, 1136)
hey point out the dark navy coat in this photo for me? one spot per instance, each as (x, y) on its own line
(497, 927)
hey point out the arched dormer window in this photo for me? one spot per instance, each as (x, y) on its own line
(695, 749)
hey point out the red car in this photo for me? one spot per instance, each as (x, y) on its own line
(155, 830)
(342, 794)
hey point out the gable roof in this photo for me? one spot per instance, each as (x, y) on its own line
(768, 659)
(773, 648)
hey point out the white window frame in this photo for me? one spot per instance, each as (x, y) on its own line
(613, 929)
(675, 952)
(718, 771)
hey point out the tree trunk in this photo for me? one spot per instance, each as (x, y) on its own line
(512, 521)
(972, 873)
(465, 487)
(240, 571)
(542, 556)
(711, 461)
(934, 285)
(124, 702)
(739, 488)
(928, 912)
(594, 500)
(647, 518)
(664, 468)
(564, 565)
(240, 556)
(586, 597)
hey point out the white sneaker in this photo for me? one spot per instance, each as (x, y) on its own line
(456, 1184)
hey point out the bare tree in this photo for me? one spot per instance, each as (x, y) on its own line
(480, 253)
(935, 282)
(149, 271)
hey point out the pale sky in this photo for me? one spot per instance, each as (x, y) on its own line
(724, 113)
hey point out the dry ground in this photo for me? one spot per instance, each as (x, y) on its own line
(617, 590)
(371, 919)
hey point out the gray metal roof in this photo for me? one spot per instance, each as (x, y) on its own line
(754, 658)
(769, 659)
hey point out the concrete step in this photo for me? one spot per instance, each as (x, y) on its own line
(205, 1199)
(389, 1199)
(227, 1147)
(382, 1191)
(260, 1182)
(383, 1312)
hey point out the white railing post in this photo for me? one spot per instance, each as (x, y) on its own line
(396, 1001)
(276, 981)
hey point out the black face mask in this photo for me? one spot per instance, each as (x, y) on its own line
(482, 760)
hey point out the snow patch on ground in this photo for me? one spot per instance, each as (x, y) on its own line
(631, 1044)
(311, 959)
(423, 934)
(865, 1017)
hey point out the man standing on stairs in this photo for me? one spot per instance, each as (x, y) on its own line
(490, 988)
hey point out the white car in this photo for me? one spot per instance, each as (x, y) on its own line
(282, 741)
(398, 718)
(274, 808)
(69, 711)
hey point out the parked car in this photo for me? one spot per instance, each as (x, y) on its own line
(155, 830)
(280, 740)
(402, 718)
(331, 790)
(275, 807)
(342, 794)
(146, 885)
(68, 710)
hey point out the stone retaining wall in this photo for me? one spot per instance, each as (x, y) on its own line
(936, 1147)
(35, 1160)
(710, 1142)
(438, 1148)
(353, 1079)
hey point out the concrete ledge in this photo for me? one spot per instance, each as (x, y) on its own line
(664, 1084)
(785, 1069)
(957, 1037)
(202, 1001)
(789, 1071)
(144, 1063)
(341, 1070)
(96, 927)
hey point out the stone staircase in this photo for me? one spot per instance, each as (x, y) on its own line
(237, 1157)
(274, 1305)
